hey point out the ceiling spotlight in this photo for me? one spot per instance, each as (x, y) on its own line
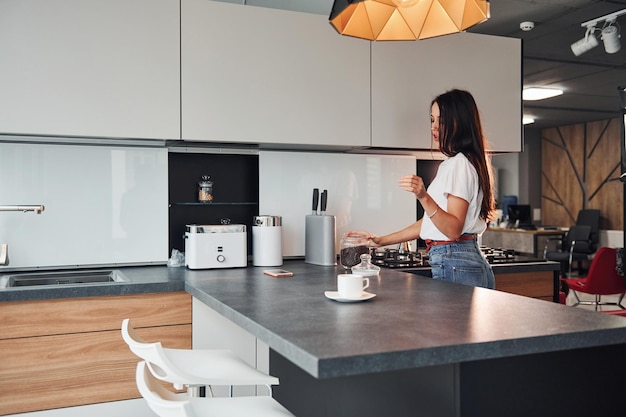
(540, 93)
(609, 34)
(585, 44)
(527, 120)
(610, 37)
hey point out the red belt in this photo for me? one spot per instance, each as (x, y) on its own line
(430, 243)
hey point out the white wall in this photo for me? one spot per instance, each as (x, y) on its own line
(612, 238)
(506, 167)
(109, 204)
(363, 193)
(103, 205)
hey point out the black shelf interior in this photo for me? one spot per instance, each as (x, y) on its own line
(235, 192)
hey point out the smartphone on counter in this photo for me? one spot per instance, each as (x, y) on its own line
(279, 273)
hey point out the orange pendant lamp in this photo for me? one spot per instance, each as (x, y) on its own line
(401, 20)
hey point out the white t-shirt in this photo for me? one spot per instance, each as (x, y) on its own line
(455, 176)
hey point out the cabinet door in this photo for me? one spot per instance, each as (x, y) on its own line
(90, 68)
(259, 75)
(406, 76)
(214, 331)
(75, 369)
(66, 352)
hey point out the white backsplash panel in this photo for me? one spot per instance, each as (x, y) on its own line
(103, 205)
(363, 193)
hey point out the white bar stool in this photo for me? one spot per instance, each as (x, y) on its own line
(194, 368)
(167, 404)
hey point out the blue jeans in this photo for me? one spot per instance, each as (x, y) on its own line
(461, 262)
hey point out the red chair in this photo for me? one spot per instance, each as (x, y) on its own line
(602, 279)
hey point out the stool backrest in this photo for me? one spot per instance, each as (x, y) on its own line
(160, 400)
(154, 355)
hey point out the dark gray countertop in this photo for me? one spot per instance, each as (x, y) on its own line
(141, 279)
(412, 322)
(160, 278)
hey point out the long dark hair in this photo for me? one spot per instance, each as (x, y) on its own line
(460, 130)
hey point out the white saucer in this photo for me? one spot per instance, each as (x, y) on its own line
(334, 295)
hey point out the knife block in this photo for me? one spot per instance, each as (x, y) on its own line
(319, 240)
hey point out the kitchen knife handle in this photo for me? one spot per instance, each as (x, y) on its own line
(316, 196)
(324, 201)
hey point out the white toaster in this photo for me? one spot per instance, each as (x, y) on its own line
(215, 246)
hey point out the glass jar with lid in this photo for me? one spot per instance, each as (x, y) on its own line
(366, 268)
(205, 189)
(351, 249)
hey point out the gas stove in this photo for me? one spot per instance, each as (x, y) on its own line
(498, 255)
(397, 258)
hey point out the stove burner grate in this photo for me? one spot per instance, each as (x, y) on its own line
(395, 258)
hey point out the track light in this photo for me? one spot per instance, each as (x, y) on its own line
(609, 34)
(610, 37)
(585, 44)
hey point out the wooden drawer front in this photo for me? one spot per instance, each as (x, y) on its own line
(40, 373)
(536, 284)
(77, 315)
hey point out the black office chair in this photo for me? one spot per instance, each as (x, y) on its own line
(590, 217)
(576, 245)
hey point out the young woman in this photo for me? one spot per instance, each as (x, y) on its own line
(458, 202)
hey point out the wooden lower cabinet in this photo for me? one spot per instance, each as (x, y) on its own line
(530, 284)
(62, 353)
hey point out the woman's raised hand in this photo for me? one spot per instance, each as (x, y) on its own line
(413, 184)
(372, 240)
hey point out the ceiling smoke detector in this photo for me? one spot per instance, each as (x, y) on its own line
(526, 26)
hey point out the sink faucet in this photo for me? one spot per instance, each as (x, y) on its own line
(36, 209)
(4, 248)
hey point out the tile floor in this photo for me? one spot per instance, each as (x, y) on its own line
(571, 300)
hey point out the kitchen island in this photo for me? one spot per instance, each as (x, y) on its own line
(420, 347)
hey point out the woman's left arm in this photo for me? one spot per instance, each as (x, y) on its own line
(450, 222)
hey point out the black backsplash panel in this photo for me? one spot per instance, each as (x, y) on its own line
(427, 169)
(235, 192)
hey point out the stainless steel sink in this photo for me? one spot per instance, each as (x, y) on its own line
(70, 278)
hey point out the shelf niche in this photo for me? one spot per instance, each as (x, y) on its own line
(235, 192)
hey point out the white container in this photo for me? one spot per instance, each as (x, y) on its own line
(208, 246)
(267, 246)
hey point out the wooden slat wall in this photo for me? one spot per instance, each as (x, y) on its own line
(580, 169)
(82, 359)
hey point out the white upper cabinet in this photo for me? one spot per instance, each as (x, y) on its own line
(260, 75)
(90, 68)
(406, 76)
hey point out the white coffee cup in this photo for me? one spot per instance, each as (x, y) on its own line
(351, 285)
